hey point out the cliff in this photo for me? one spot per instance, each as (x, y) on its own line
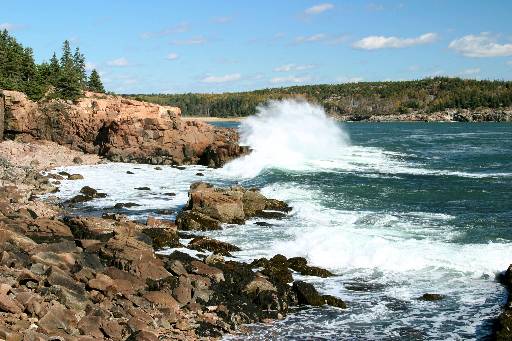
(120, 129)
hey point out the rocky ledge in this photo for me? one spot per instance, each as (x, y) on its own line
(119, 129)
(87, 278)
(208, 207)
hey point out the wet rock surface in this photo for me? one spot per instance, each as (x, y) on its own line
(209, 207)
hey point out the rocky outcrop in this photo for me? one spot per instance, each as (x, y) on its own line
(504, 323)
(448, 115)
(120, 129)
(209, 207)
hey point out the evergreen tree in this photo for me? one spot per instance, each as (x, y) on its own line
(95, 83)
(69, 82)
(79, 65)
(53, 70)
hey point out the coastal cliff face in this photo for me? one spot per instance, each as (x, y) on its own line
(119, 129)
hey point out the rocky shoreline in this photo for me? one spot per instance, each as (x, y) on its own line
(84, 278)
(449, 115)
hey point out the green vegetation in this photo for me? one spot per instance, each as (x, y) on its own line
(360, 99)
(65, 78)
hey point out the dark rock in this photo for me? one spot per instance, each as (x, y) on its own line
(199, 174)
(431, 297)
(129, 172)
(75, 177)
(144, 188)
(170, 194)
(299, 264)
(121, 205)
(263, 224)
(162, 237)
(213, 245)
(307, 294)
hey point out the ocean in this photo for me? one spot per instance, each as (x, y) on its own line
(395, 210)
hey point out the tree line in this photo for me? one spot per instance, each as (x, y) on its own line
(363, 98)
(64, 77)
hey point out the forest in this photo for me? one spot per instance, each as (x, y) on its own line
(381, 98)
(65, 77)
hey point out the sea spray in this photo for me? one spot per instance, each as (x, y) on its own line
(287, 134)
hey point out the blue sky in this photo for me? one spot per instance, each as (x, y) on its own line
(216, 46)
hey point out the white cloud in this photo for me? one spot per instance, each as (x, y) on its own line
(471, 71)
(290, 79)
(381, 42)
(311, 38)
(172, 56)
(180, 28)
(482, 45)
(221, 79)
(293, 67)
(10, 27)
(320, 8)
(192, 41)
(119, 62)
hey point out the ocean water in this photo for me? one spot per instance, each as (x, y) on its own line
(395, 210)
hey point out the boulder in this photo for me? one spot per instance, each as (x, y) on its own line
(213, 245)
(307, 294)
(208, 207)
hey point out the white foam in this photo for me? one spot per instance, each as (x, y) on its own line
(299, 136)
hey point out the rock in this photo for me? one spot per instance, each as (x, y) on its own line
(122, 130)
(307, 294)
(142, 335)
(212, 272)
(78, 160)
(195, 221)
(75, 177)
(299, 264)
(120, 205)
(259, 284)
(9, 305)
(162, 299)
(57, 319)
(215, 246)
(144, 188)
(102, 282)
(162, 237)
(208, 207)
(431, 297)
(170, 194)
(277, 269)
(129, 172)
(199, 174)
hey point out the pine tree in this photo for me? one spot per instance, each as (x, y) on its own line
(79, 65)
(68, 84)
(54, 71)
(95, 83)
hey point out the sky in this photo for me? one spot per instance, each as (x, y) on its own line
(158, 46)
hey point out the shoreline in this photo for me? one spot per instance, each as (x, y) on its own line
(213, 119)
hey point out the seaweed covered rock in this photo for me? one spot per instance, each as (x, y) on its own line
(209, 206)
